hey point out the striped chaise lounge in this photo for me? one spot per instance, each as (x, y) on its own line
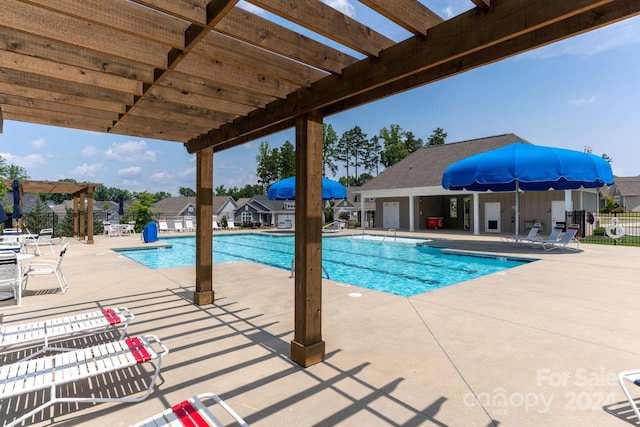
(53, 371)
(191, 412)
(93, 322)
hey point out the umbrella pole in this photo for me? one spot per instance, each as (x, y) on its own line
(517, 216)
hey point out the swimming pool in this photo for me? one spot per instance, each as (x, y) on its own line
(401, 268)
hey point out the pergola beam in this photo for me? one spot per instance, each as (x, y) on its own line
(462, 35)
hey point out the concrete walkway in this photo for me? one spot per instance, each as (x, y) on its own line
(537, 345)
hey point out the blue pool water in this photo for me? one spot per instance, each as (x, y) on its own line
(399, 268)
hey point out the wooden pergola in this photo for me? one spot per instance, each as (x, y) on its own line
(82, 193)
(211, 75)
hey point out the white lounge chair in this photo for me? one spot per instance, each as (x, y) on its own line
(231, 225)
(162, 225)
(46, 267)
(530, 237)
(188, 225)
(632, 377)
(552, 237)
(564, 241)
(191, 412)
(215, 226)
(177, 225)
(93, 322)
(53, 371)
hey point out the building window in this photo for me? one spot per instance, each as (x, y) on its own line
(290, 205)
(247, 217)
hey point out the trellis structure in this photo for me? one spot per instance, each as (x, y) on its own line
(212, 75)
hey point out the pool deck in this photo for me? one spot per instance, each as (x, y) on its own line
(537, 345)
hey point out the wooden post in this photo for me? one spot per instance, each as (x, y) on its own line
(90, 216)
(81, 206)
(76, 216)
(307, 347)
(204, 231)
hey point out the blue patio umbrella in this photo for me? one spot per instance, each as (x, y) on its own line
(3, 214)
(121, 205)
(286, 189)
(17, 211)
(527, 167)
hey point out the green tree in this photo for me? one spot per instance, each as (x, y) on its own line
(156, 196)
(287, 161)
(329, 141)
(16, 172)
(267, 169)
(220, 191)
(412, 143)
(140, 210)
(186, 192)
(437, 137)
(394, 147)
(352, 149)
(372, 163)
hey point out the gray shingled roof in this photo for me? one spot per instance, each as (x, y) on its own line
(173, 206)
(424, 167)
(628, 186)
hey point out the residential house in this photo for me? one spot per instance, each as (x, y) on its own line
(351, 206)
(409, 195)
(181, 208)
(270, 213)
(626, 193)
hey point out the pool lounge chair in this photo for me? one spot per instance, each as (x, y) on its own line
(632, 377)
(93, 322)
(564, 241)
(162, 225)
(100, 361)
(177, 225)
(552, 237)
(191, 412)
(10, 284)
(231, 225)
(188, 225)
(533, 235)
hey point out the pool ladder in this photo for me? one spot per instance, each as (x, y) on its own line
(293, 268)
(395, 234)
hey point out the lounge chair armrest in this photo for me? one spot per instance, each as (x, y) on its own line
(43, 263)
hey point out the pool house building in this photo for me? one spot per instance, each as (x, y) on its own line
(409, 195)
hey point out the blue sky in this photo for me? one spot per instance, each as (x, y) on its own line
(579, 92)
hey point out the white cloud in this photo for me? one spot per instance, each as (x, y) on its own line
(38, 144)
(28, 161)
(131, 151)
(188, 172)
(448, 12)
(343, 6)
(129, 172)
(594, 42)
(583, 101)
(162, 177)
(87, 170)
(88, 151)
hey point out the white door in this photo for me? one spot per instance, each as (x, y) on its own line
(492, 217)
(391, 215)
(557, 212)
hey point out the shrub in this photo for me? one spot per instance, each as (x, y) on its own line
(598, 231)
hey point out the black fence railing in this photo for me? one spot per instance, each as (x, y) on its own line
(607, 228)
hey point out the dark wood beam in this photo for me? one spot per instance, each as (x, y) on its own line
(465, 34)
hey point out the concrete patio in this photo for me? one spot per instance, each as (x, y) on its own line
(539, 344)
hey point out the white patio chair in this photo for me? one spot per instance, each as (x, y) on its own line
(177, 225)
(564, 241)
(44, 238)
(231, 225)
(10, 277)
(188, 225)
(47, 267)
(193, 411)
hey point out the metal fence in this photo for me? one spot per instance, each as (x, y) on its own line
(621, 228)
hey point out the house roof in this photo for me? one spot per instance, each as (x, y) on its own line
(424, 167)
(628, 186)
(28, 202)
(173, 206)
(261, 199)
